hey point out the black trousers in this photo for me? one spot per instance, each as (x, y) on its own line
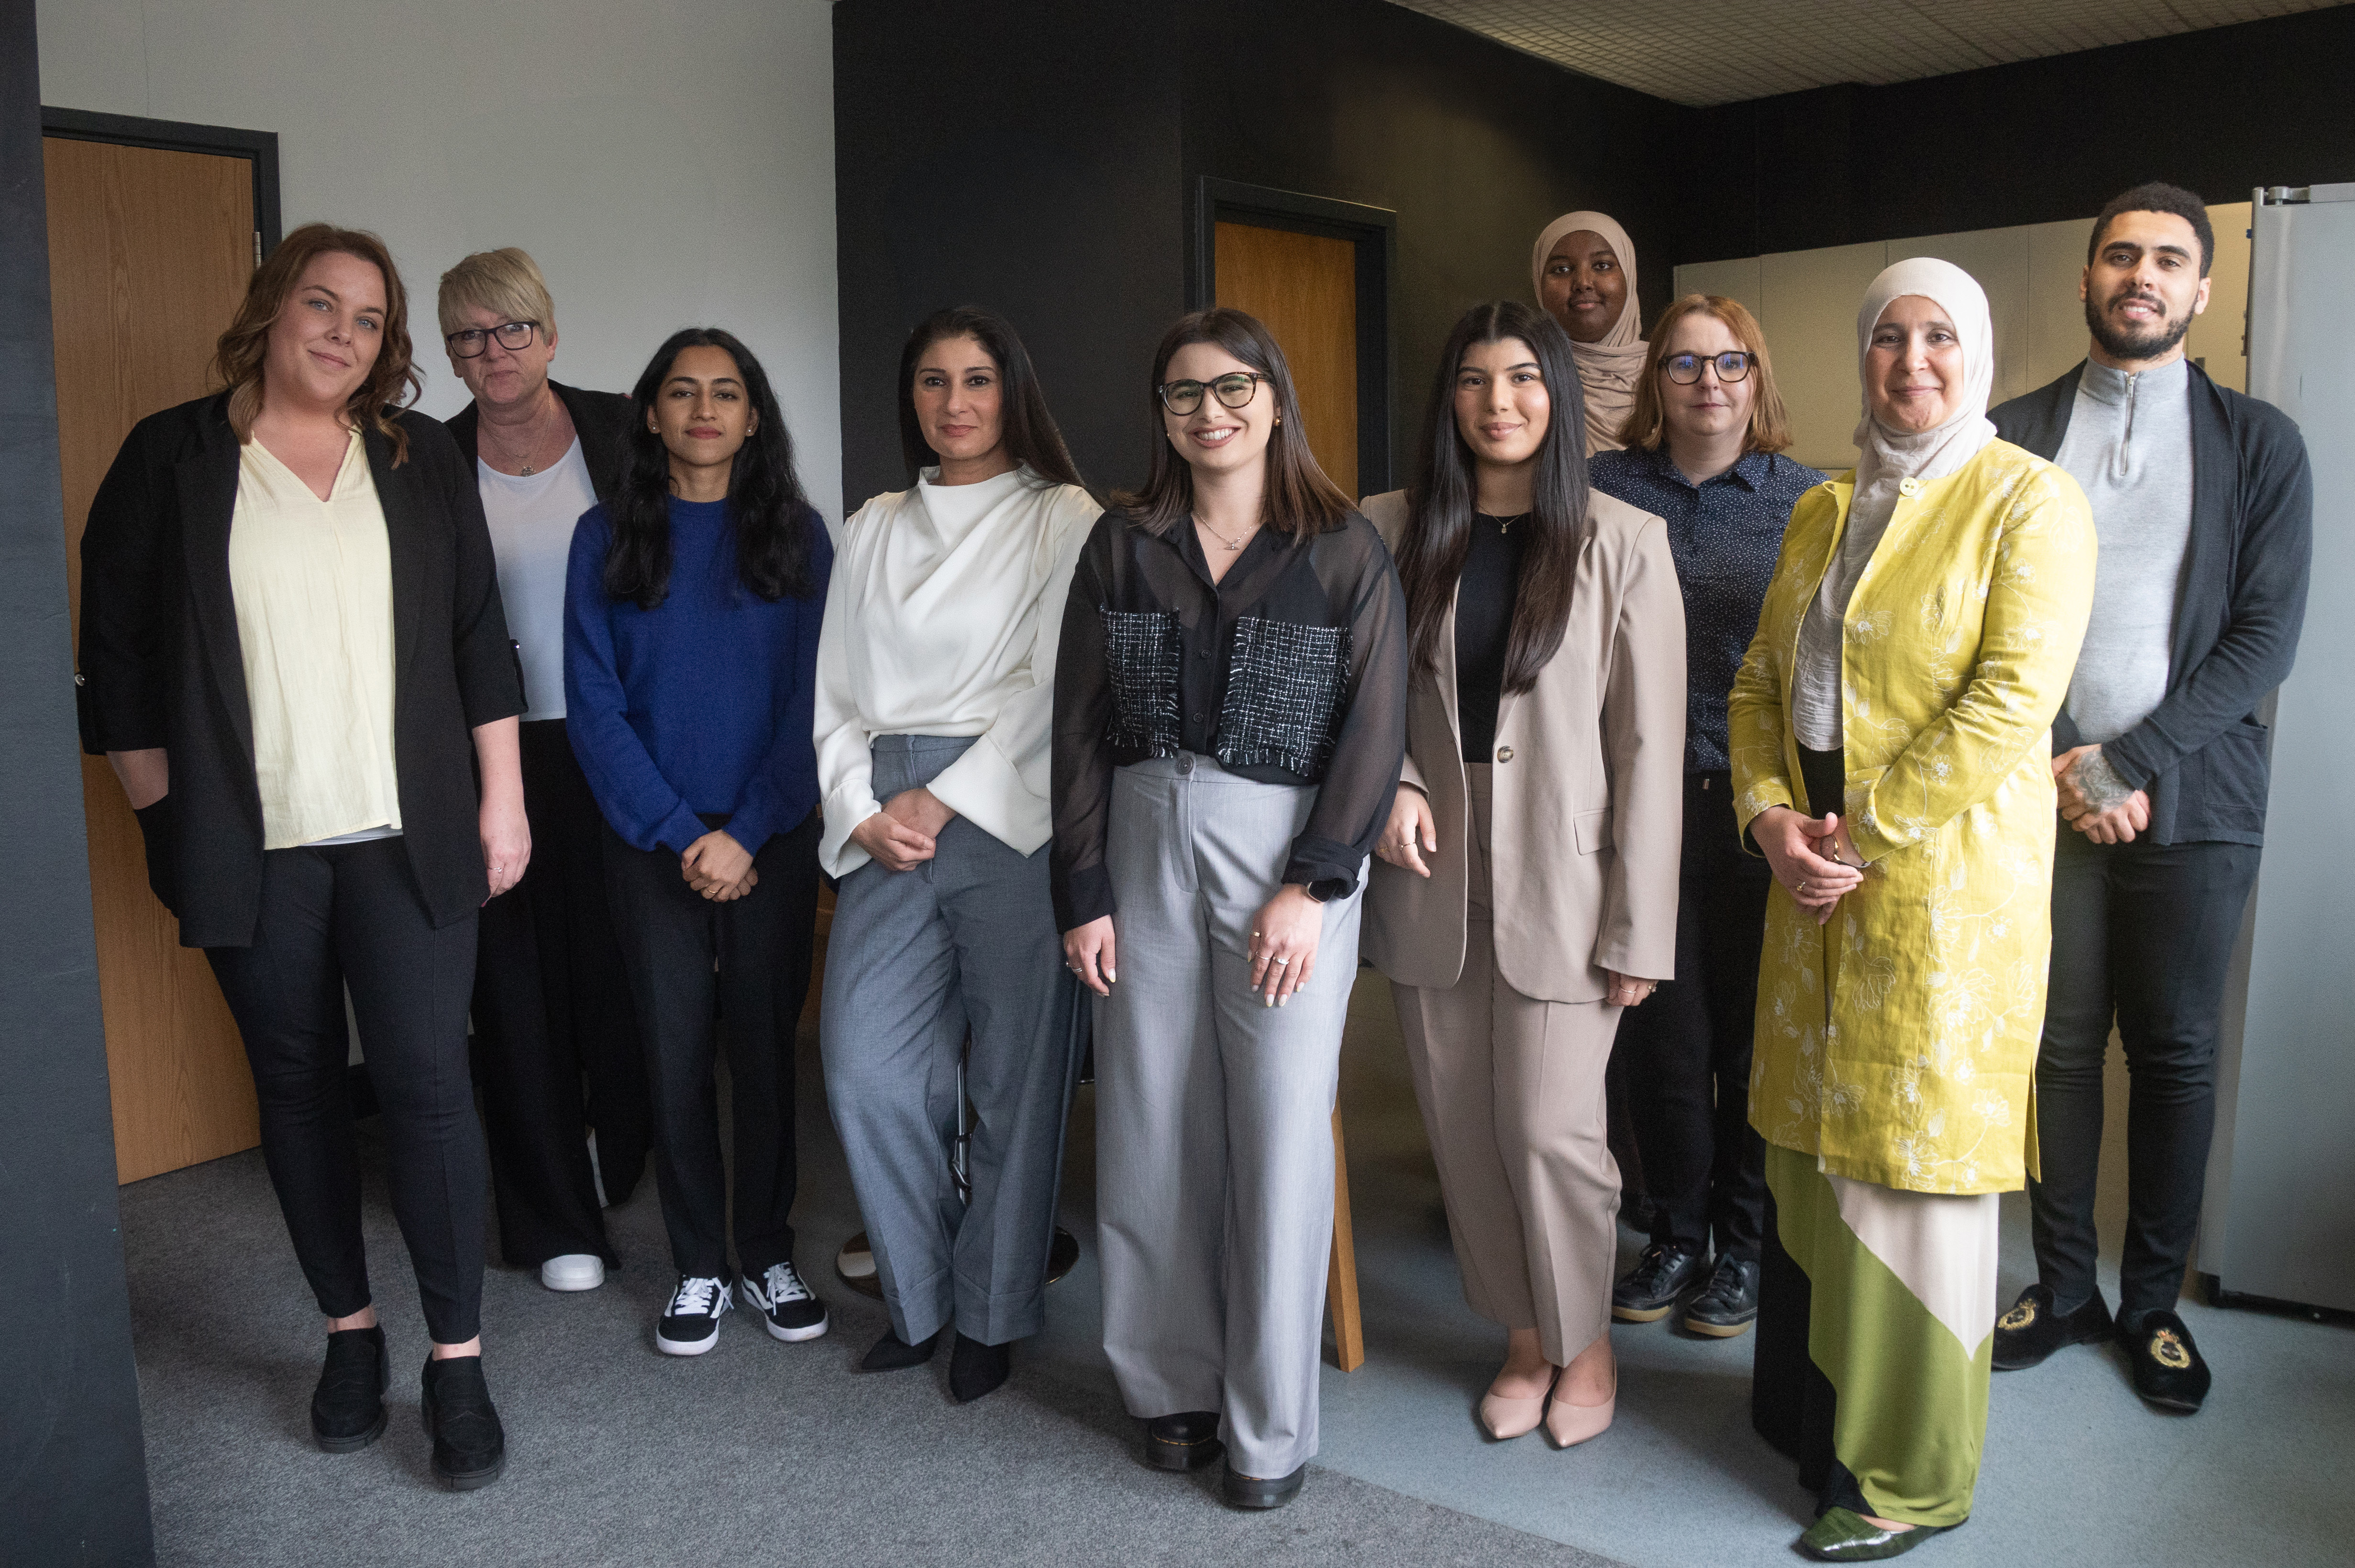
(352, 915)
(553, 1015)
(671, 937)
(1687, 1049)
(1792, 1405)
(2142, 933)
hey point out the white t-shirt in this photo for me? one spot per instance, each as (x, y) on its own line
(531, 517)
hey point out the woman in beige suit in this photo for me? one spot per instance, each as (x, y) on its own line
(1527, 889)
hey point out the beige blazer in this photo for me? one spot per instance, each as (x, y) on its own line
(1587, 786)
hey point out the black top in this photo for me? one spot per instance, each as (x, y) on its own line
(161, 664)
(2201, 753)
(1486, 592)
(1292, 669)
(602, 420)
(1725, 536)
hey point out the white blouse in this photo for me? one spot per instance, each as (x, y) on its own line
(942, 618)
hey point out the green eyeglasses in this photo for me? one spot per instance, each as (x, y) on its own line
(1684, 369)
(1234, 390)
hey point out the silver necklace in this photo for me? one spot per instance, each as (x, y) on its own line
(1224, 539)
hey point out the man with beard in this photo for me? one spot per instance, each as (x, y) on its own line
(2202, 502)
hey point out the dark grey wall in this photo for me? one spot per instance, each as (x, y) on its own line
(73, 1475)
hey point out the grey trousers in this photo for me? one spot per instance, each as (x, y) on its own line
(964, 941)
(1214, 1134)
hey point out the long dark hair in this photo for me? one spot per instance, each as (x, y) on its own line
(1299, 499)
(766, 505)
(1030, 436)
(1440, 502)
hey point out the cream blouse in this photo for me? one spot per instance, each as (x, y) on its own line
(313, 584)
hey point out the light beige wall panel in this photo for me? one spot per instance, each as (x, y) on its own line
(2219, 340)
(1807, 303)
(1997, 259)
(1735, 279)
(2056, 317)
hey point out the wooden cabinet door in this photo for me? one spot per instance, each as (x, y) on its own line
(1304, 288)
(149, 254)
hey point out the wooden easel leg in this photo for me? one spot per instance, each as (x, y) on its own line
(1341, 1282)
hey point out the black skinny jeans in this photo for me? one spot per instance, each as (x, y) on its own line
(352, 915)
(2142, 932)
(670, 935)
(1687, 1049)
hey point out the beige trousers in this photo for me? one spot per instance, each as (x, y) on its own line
(1511, 1090)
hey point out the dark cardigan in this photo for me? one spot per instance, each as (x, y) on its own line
(602, 420)
(161, 664)
(2201, 753)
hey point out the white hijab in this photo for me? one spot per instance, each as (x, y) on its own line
(1892, 456)
(1607, 369)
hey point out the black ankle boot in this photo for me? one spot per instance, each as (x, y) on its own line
(892, 1353)
(470, 1446)
(975, 1369)
(347, 1407)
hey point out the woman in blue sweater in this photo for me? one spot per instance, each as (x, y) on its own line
(691, 608)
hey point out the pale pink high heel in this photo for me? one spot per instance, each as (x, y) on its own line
(1569, 1425)
(1509, 1418)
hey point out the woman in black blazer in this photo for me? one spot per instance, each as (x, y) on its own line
(293, 652)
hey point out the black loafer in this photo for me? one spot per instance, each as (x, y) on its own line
(1650, 1290)
(1841, 1536)
(470, 1446)
(975, 1369)
(347, 1407)
(1252, 1492)
(1730, 1304)
(2031, 1330)
(1186, 1441)
(2168, 1369)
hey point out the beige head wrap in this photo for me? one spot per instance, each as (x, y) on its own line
(1607, 369)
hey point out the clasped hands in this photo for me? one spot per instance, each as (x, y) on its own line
(906, 832)
(2095, 800)
(718, 868)
(1813, 857)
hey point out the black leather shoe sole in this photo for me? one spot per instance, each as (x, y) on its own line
(1252, 1492)
(354, 1443)
(482, 1475)
(1166, 1453)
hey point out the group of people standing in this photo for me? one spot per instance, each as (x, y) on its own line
(1616, 730)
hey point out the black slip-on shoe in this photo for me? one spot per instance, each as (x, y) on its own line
(975, 1369)
(1650, 1290)
(470, 1446)
(1729, 1305)
(1186, 1441)
(2031, 1330)
(893, 1354)
(1841, 1536)
(2169, 1370)
(347, 1410)
(1242, 1491)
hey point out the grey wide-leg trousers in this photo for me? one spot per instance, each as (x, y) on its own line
(1214, 1132)
(917, 958)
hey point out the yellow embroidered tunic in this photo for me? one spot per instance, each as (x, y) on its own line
(1897, 1043)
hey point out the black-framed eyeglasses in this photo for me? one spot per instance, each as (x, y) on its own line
(469, 342)
(1684, 369)
(1234, 390)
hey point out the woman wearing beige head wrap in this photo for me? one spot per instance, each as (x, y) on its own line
(1584, 269)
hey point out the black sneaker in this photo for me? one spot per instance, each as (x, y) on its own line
(1650, 1290)
(2168, 1369)
(2031, 1330)
(690, 1323)
(785, 1302)
(1730, 1304)
(347, 1407)
(470, 1446)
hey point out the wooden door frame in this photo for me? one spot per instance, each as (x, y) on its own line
(1373, 230)
(257, 147)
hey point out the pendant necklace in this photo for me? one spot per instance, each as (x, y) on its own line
(538, 441)
(1224, 539)
(1505, 524)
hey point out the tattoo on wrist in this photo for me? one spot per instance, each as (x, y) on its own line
(2098, 781)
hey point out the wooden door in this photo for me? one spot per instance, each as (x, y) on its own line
(1304, 287)
(149, 255)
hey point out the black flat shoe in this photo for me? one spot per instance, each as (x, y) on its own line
(347, 1407)
(1252, 1492)
(2031, 1330)
(1730, 1304)
(470, 1446)
(975, 1369)
(2169, 1370)
(1841, 1536)
(893, 1354)
(1186, 1441)
(1650, 1290)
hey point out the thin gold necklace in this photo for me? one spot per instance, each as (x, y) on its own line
(1505, 524)
(538, 439)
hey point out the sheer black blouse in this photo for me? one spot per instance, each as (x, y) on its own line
(1292, 669)
(1486, 594)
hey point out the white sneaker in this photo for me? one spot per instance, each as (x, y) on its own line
(573, 1271)
(791, 1311)
(690, 1323)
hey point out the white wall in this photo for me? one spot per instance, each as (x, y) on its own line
(667, 167)
(1805, 301)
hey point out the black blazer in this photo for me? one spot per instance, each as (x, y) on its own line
(2201, 753)
(602, 419)
(161, 664)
